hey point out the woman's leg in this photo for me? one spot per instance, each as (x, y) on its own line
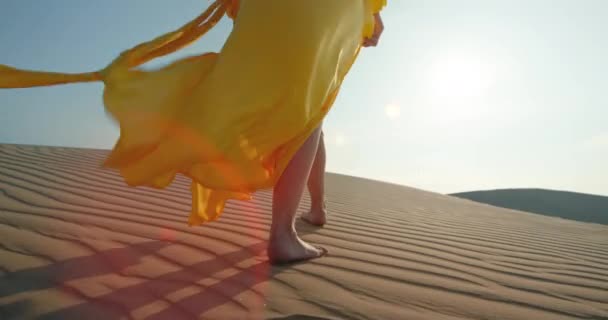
(316, 188)
(284, 244)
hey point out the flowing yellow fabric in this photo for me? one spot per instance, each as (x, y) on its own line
(231, 121)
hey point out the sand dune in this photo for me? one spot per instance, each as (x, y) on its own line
(563, 204)
(76, 243)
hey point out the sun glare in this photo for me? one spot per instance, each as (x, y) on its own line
(340, 139)
(392, 111)
(457, 85)
(459, 77)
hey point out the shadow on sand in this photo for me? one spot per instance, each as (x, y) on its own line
(120, 302)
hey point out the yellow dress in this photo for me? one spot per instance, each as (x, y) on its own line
(231, 121)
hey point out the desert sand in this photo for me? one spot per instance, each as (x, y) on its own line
(77, 243)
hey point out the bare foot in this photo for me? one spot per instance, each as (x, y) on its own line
(316, 216)
(290, 248)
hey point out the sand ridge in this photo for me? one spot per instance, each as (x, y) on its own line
(77, 243)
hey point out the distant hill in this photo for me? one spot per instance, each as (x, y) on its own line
(567, 205)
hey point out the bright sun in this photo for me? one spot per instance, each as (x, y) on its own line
(459, 77)
(457, 84)
(392, 111)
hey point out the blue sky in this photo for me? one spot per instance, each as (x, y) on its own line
(460, 95)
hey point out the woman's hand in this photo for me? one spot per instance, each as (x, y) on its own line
(378, 29)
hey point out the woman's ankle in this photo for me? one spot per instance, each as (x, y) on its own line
(318, 206)
(278, 233)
